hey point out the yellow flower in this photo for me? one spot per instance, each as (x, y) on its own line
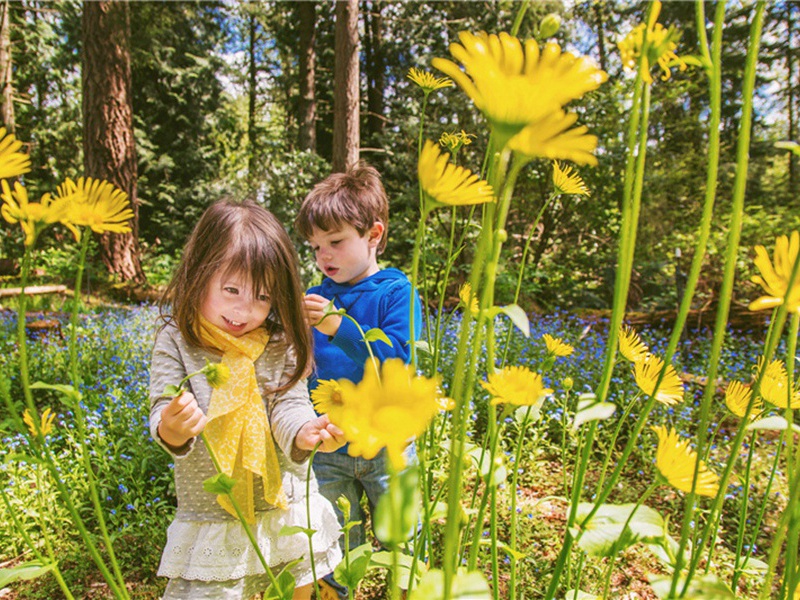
(97, 204)
(552, 138)
(388, 411)
(468, 300)
(46, 421)
(676, 461)
(454, 141)
(646, 372)
(33, 217)
(567, 182)
(775, 281)
(774, 386)
(515, 85)
(516, 385)
(327, 398)
(660, 47)
(737, 398)
(446, 403)
(556, 347)
(12, 161)
(217, 374)
(427, 81)
(443, 182)
(630, 345)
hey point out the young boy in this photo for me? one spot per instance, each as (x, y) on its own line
(345, 218)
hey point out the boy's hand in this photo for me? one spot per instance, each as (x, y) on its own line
(181, 420)
(314, 307)
(319, 430)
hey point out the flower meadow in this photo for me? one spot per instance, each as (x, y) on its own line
(556, 456)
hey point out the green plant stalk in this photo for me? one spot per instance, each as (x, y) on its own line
(394, 584)
(725, 295)
(39, 442)
(310, 533)
(564, 425)
(617, 429)
(440, 309)
(742, 513)
(491, 449)
(790, 566)
(30, 543)
(240, 515)
(418, 241)
(512, 584)
(519, 17)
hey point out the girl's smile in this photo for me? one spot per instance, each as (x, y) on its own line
(232, 305)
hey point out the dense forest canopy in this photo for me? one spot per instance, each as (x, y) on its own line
(238, 98)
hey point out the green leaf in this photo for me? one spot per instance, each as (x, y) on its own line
(481, 458)
(518, 317)
(284, 590)
(603, 534)
(172, 390)
(397, 513)
(359, 558)
(383, 560)
(68, 391)
(288, 530)
(706, 587)
(753, 565)
(470, 585)
(591, 410)
(769, 424)
(25, 571)
(376, 335)
(787, 145)
(219, 484)
(579, 595)
(423, 346)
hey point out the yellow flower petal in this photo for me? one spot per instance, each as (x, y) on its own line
(567, 182)
(550, 137)
(774, 279)
(468, 300)
(646, 372)
(774, 386)
(737, 399)
(556, 347)
(516, 385)
(427, 81)
(677, 462)
(443, 182)
(12, 161)
(97, 204)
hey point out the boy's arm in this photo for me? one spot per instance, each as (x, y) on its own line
(394, 322)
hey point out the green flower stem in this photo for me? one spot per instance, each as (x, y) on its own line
(512, 584)
(493, 441)
(740, 532)
(725, 295)
(34, 548)
(738, 568)
(520, 16)
(419, 238)
(80, 424)
(394, 583)
(564, 426)
(617, 429)
(38, 441)
(240, 514)
(790, 566)
(310, 533)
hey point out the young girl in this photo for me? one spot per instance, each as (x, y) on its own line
(236, 298)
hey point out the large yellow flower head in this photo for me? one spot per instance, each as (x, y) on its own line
(775, 385)
(631, 345)
(556, 347)
(646, 372)
(33, 217)
(676, 461)
(737, 399)
(552, 138)
(96, 204)
(12, 161)
(661, 46)
(515, 84)
(565, 181)
(327, 399)
(386, 412)
(443, 182)
(516, 385)
(775, 279)
(427, 81)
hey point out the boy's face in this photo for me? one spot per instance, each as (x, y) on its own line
(344, 255)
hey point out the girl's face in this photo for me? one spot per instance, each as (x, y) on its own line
(230, 303)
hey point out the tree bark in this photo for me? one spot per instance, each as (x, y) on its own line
(601, 41)
(376, 67)
(252, 78)
(7, 97)
(308, 63)
(346, 87)
(791, 99)
(108, 144)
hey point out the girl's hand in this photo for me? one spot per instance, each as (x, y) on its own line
(181, 420)
(319, 430)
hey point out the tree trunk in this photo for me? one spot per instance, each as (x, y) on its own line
(308, 63)
(108, 144)
(376, 66)
(601, 42)
(346, 87)
(791, 99)
(7, 97)
(252, 78)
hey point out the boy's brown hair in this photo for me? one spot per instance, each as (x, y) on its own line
(355, 198)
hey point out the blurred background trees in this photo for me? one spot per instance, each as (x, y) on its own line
(240, 98)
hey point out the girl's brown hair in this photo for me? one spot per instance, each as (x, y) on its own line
(241, 237)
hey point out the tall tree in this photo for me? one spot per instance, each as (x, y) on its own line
(7, 93)
(108, 144)
(375, 66)
(346, 87)
(307, 22)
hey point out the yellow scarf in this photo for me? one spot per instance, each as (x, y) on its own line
(238, 428)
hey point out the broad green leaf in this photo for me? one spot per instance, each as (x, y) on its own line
(518, 317)
(591, 410)
(219, 484)
(423, 345)
(753, 565)
(505, 548)
(481, 458)
(775, 423)
(376, 334)
(384, 560)
(603, 535)
(29, 570)
(68, 391)
(359, 559)
(533, 417)
(466, 586)
(397, 512)
(172, 390)
(667, 548)
(705, 587)
(288, 530)
(285, 585)
(579, 595)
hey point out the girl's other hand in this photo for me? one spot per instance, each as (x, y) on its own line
(319, 430)
(181, 420)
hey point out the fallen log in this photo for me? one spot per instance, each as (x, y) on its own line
(33, 290)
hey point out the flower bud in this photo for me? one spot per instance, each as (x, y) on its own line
(567, 383)
(549, 25)
(502, 235)
(344, 505)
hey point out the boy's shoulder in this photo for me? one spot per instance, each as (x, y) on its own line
(379, 283)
